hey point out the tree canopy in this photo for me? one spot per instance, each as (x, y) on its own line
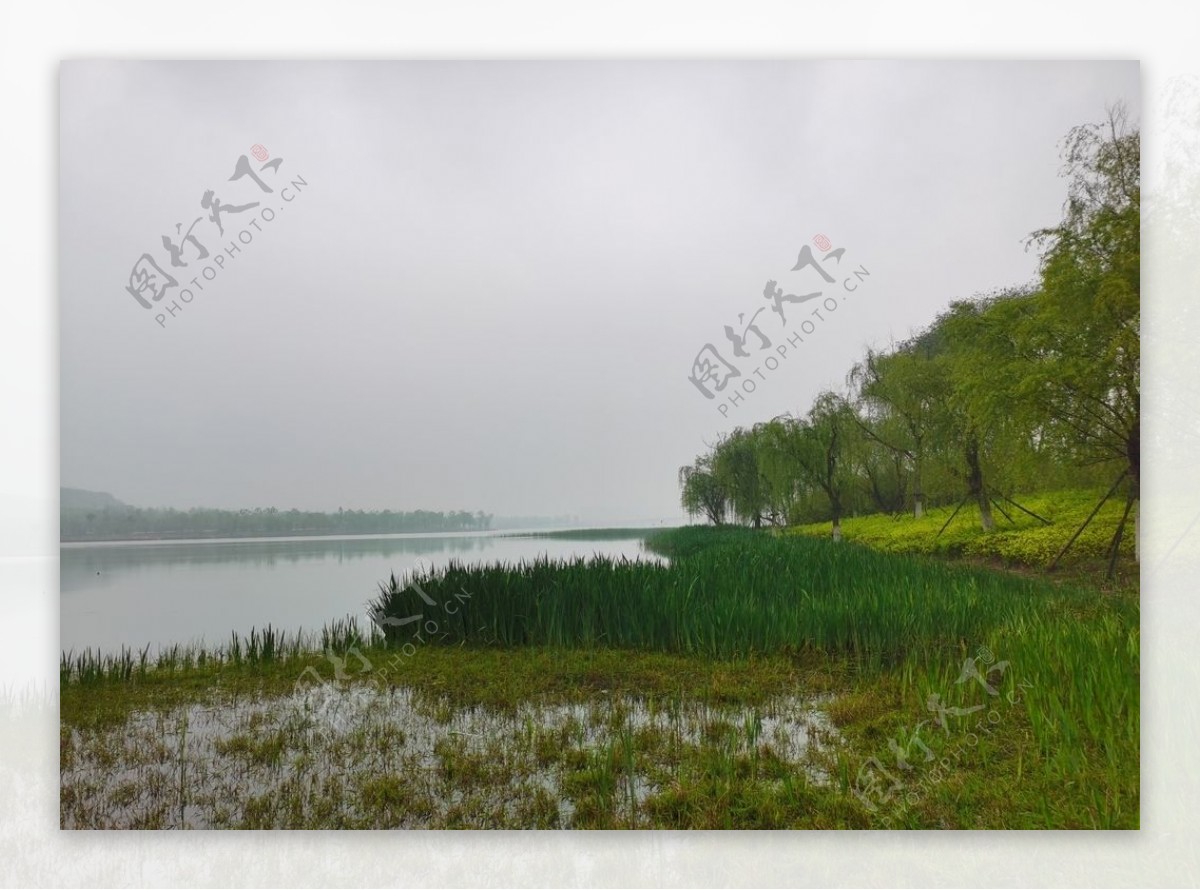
(1016, 390)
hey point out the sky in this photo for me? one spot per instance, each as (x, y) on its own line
(505, 286)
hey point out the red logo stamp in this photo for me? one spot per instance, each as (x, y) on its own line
(262, 154)
(821, 241)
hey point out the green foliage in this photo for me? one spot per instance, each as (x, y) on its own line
(1085, 376)
(1024, 540)
(726, 592)
(1024, 390)
(785, 613)
(739, 593)
(260, 647)
(702, 492)
(737, 468)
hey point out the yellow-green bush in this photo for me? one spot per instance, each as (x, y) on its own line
(1022, 540)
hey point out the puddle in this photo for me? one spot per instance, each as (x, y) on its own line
(354, 756)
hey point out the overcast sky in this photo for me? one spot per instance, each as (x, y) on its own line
(487, 287)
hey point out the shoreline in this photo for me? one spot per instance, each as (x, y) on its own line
(602, 531)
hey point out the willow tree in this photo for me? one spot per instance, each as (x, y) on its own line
(980, 418)
(824, 441)
(736, 467)
(1081, 337)
(779, 446)
(701, 492)
(1063, 358)
(885, 474)
(1086, 333)
(898, 396)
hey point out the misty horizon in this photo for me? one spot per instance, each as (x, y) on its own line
(489, 290)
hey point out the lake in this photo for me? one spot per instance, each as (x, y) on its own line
(162, 592)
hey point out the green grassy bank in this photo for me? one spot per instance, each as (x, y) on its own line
(1019, 538)
(753, 681)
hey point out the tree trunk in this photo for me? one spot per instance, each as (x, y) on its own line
(985, 512)
(876, 492)
(918, 492)
(975, 484)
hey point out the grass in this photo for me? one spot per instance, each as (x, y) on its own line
(726, 593)
(567, 753)
(735, 593)
(992, 699)
(1018, 539)
(260, 647)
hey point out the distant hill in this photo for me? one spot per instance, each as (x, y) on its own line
(98, 516)
(82, 499)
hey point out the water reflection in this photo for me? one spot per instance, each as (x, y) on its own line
(131, 594)
(79, 562)
(259, 762)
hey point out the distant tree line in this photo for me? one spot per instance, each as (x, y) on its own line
(124, 522)
(1021, 390)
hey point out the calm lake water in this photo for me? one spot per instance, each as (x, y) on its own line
(163, 592)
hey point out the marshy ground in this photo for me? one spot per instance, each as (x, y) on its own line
(360, 757)
(751, 683)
